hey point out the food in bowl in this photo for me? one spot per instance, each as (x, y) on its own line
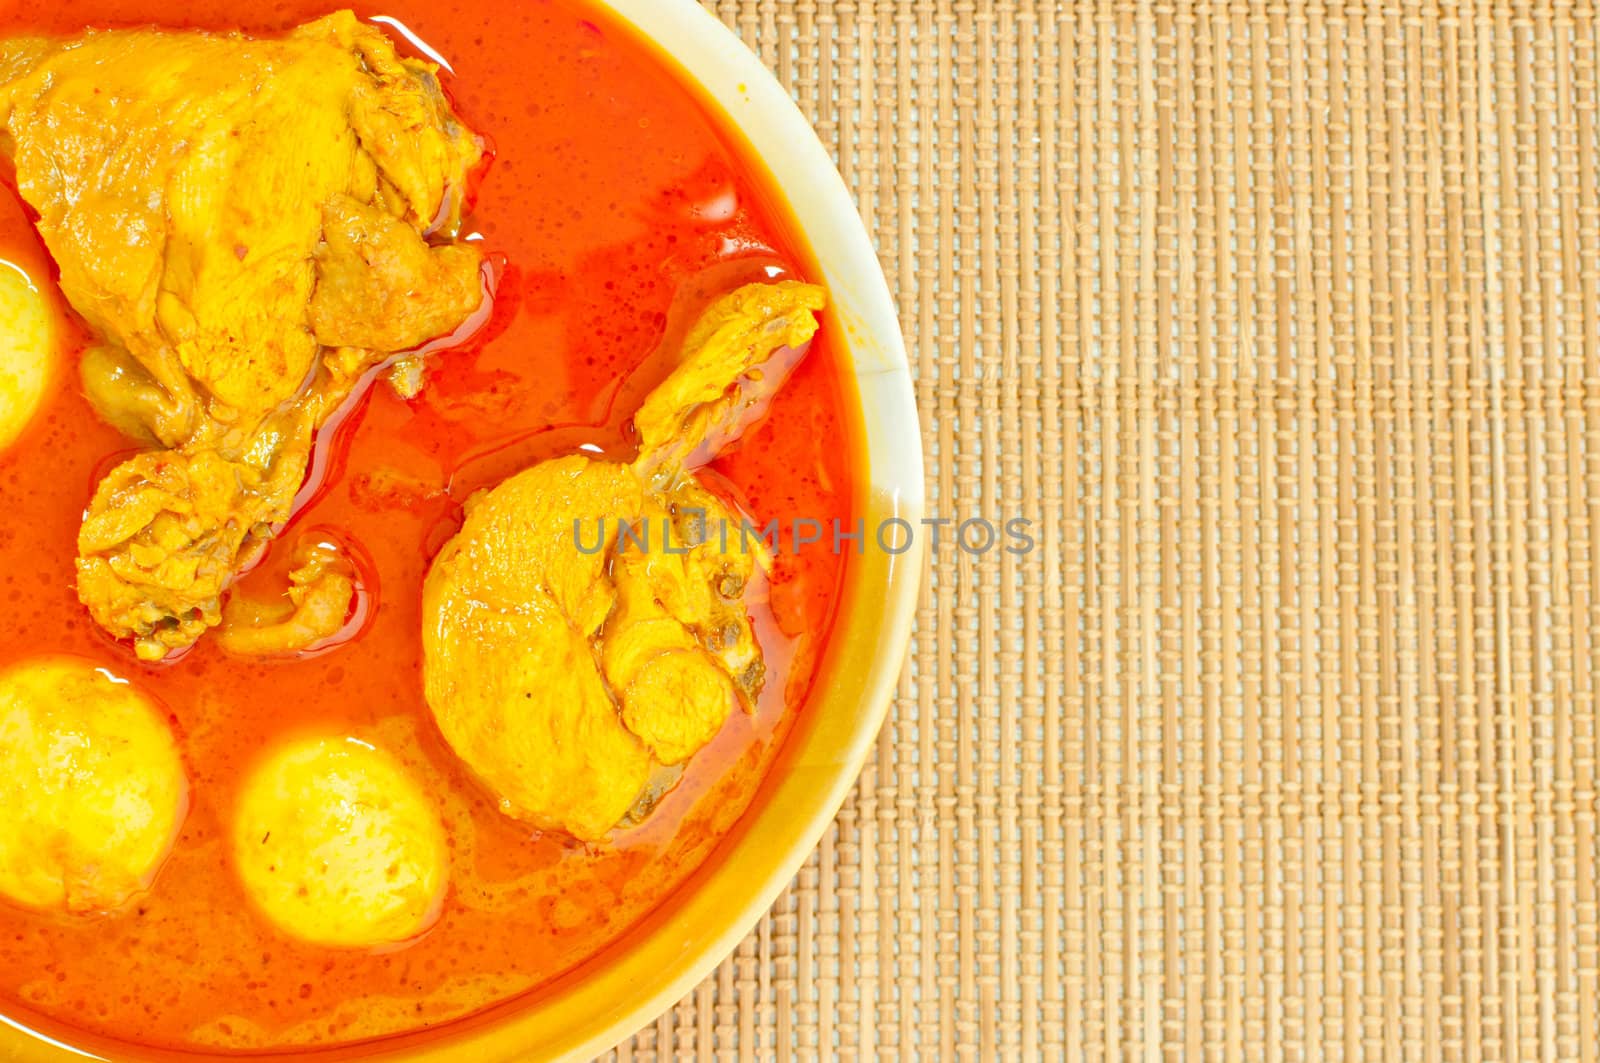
(564, 673)
(360, 389)
(243, 225)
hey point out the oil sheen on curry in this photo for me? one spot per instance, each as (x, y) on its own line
(377, 392)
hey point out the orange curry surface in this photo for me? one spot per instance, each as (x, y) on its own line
(612, 194)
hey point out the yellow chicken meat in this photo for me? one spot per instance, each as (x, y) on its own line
(247, 224)
(565, 658)
(314, 607)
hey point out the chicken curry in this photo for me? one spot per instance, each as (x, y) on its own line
(352, 359)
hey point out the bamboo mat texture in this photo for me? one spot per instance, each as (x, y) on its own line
(1282, 323)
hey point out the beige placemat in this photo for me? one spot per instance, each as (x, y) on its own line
(1282, 323)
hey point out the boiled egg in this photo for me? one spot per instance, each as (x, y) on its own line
(27, 355)
(337, 844)
(92, 790)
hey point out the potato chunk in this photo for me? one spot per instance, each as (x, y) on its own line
(337, 845)
(91, 786)
(26, 354)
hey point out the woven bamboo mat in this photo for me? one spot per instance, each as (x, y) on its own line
(1282, 323)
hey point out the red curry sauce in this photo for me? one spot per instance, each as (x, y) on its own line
(612, 194)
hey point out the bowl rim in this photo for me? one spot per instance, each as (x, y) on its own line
(656, 963)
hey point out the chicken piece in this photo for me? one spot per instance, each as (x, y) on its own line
(316, 606)
(123, 393)
(566, 655)
(679, 642)
(672, 696)
(707, 596)
(166, 530)
(706, 402)
(380, 287)
(510, 612)
(246, 224)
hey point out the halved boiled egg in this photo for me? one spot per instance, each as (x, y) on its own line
(338, 845)
(26, 351)
(91, 787)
